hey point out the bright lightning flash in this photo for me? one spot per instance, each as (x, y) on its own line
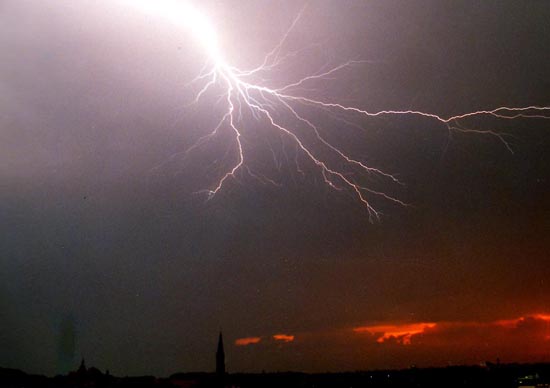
(239, 92)
(182, 13)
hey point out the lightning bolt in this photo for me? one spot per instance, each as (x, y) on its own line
(240, 90)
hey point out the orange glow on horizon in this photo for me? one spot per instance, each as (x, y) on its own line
(283, 337)
(512, 323)
(247, 341)
(401, 332)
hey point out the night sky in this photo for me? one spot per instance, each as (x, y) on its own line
(109, 251)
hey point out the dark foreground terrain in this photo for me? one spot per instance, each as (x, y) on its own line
(491, 375)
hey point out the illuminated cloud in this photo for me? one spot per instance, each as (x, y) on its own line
(401, 332)
(426, 344)
(283, 337)
(182, 13)
(247, 341)
(527, 329)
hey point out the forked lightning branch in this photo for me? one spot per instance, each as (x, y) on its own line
(240, 90)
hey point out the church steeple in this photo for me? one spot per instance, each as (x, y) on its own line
(82, 368)
(220, 357)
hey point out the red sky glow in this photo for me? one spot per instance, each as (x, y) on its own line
(283, 337)
(247, 341)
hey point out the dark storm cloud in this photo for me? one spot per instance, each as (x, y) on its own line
(98, 220)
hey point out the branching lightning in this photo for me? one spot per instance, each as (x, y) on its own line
(240, 90)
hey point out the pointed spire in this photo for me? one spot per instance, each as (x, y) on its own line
(82, 366)
(220, 357)
(220, 343)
